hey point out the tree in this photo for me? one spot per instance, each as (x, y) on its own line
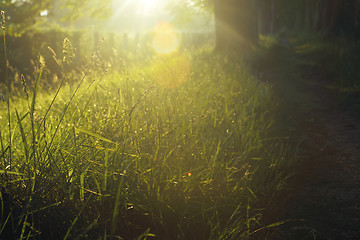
(239, 21)
(22, 15)
(235, 23)
(235, 20)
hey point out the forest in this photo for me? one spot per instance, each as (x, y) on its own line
(169, 119)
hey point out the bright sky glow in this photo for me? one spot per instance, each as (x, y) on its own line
(148, 6)
(140, 7)
(154, 17)
(138, 15)
(44, 13)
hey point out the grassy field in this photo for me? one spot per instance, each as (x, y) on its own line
(176, 147)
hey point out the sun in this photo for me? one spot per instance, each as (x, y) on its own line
(148, 3)
(141, 8)
(147, 7)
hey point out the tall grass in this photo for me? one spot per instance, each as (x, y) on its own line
(139, 153)
(8, 85)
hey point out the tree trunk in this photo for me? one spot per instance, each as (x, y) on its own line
(307, 16)
(332, 14)
(259, 16)
(264, 16)
(356, 21)
(235, 23)
(325, 16)
(273, 17)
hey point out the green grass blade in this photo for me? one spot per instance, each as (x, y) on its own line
(117, 206)
(25, 223)
(5, 222)
(82, 186)
(277, 224)
(87, 229)
(145, 235)
(23, 137)
(75, 220)
(95, 135)
(33, 101)
(13, 173)
(106, 163)
(3, 153)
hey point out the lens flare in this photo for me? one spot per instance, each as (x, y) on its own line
(172, 70)
(165, 39)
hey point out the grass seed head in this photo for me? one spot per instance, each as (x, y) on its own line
(68, 51)
(23, 81)
(3, 21)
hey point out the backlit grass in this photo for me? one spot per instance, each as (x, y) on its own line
(177, 148)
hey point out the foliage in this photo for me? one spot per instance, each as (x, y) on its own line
(93, 8)
(339, 68)
(185, 12)
(24, 15)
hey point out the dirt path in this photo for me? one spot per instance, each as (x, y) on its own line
(326, 186)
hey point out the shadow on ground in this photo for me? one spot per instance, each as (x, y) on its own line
(324, 192)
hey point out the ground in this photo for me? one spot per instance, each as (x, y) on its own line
(324, 192)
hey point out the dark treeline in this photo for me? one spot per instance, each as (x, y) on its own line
(327, 16)
(333, 26)
(238, 22)
(241, 21)
(23, 51)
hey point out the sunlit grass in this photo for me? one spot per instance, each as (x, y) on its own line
(126, 154)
